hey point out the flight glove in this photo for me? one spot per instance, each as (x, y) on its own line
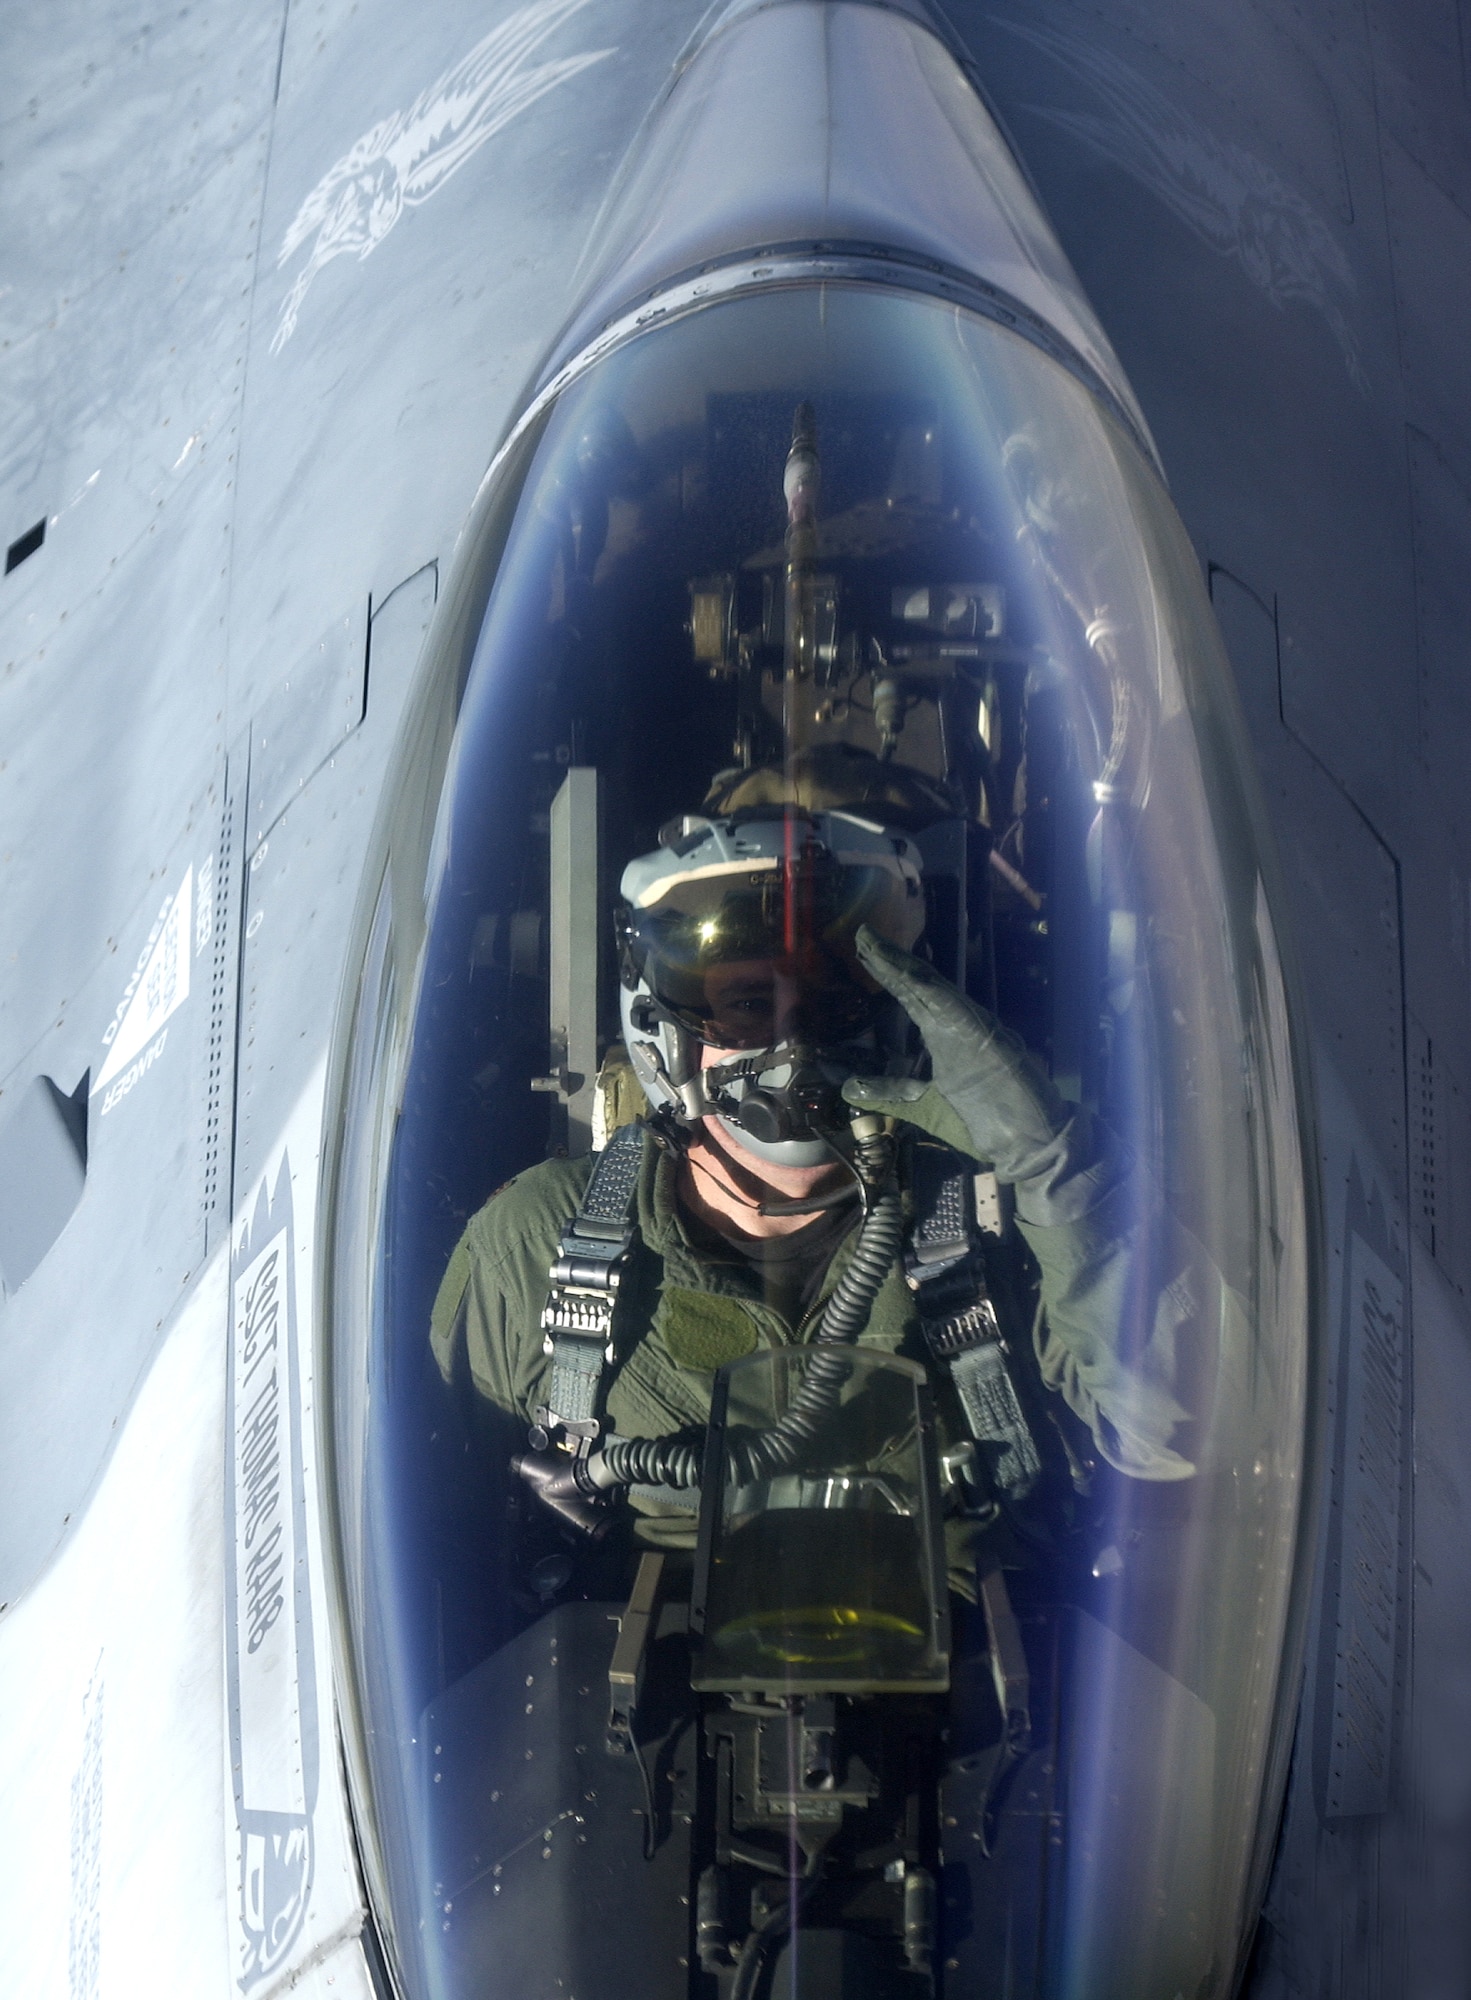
(1086, 1216)
(985, 1096)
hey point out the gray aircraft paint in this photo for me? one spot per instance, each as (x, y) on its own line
(43, 1156)
(1358, 1671)
(1232, 199)
(1333, 523)
(409, 156)
(87, 1797)
(213, 510)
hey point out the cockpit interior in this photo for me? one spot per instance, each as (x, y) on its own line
(849, 1695)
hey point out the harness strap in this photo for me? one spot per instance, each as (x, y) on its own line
(942, 1264)
(577, 1320)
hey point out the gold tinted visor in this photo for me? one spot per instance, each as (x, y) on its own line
(746, 958)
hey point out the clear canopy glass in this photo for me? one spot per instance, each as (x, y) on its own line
(977, 633)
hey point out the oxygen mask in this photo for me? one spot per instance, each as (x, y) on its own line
(789, 1095)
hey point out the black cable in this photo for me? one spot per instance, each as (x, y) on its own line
(774, 1926)
(647, 1780)
(676, 1462)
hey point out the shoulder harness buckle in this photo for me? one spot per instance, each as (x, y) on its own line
(942, 1265)
(577, 1319)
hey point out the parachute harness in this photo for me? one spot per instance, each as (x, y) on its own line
(577, 1326)
(942, 1268)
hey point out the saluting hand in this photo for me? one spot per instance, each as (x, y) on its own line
(986, 1096)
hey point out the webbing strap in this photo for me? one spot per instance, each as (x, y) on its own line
(577, 1320)
(942, 1225)
(577, 1376)
(943, 1265)
(988, 1397)
(607, 1200)
(940, 1257)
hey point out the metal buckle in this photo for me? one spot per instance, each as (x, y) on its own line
(580, 1312)
(545, 1424)
(963, 1330)
(584, 1289)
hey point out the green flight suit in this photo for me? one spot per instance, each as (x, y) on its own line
(683, 1313)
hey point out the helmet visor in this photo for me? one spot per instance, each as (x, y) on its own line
(748, 958)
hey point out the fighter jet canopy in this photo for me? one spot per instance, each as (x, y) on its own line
(875, 576)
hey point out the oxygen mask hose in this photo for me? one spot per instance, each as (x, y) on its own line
(674, 1461)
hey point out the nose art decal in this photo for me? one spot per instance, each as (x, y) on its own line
(410, 155)
(1230, 198)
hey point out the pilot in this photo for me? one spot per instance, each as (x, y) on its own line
(782, 1022)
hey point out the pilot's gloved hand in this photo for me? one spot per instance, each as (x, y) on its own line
(986, 1097)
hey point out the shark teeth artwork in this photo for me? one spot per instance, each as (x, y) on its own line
(409, 156)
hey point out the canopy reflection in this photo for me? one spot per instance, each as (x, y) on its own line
(993, 652)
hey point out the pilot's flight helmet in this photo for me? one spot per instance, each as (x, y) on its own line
(738, 933)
